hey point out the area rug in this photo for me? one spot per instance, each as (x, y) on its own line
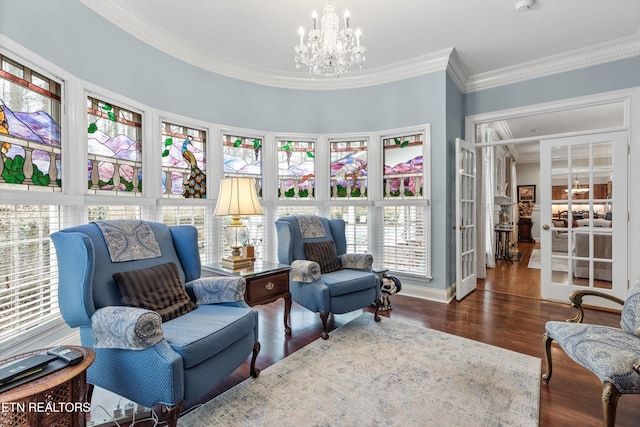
(557, 264)
(384, 374)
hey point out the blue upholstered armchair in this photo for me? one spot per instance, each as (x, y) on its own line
(324, 278)
(612, 354)
(194, 336)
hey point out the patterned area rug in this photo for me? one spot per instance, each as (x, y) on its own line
(557, 264)
(384, 374)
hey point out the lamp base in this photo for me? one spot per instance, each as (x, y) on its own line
(236, 263)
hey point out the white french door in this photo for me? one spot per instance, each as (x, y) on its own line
(465, 218)
(583, 215)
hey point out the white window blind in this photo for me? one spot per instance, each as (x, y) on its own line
(404, 243)
(190, 215)
(296, 210)
(256, 226)
(28, 270)
(100, 213)
(356, 227)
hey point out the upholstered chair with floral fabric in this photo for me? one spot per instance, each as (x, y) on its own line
(612, 354)
(324, 278)
(161, 333)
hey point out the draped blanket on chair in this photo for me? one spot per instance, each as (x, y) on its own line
(129, 240)
(311, 226)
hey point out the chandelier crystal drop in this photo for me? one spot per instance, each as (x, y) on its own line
(329, 51)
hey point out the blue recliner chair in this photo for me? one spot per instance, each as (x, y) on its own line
(139, 354)
(324, 278)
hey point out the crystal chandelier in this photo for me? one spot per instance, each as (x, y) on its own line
(330, 51)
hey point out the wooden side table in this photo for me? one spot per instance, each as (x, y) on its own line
(503, 243)
(266, 282)
(61, 398)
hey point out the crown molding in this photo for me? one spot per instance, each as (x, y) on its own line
(446, 59)
(602, 53)
(119, 16)
(457, 70)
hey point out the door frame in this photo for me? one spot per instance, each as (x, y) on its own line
(559, 291)
(629, 98)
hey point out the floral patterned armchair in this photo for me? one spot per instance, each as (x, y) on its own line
(612, 354)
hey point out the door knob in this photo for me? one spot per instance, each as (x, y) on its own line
(545, 227)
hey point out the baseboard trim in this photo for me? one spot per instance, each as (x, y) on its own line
(422, 292)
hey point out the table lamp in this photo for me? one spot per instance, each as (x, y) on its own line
(237, 198)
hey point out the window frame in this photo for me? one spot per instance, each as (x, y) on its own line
(74, 201)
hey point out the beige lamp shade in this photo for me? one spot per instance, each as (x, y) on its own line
(238, 198)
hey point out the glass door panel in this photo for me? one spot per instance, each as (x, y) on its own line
(580, 242)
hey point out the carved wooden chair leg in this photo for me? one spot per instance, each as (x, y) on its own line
(169, 414)
(547, 356)
(610, 395)
(376, 317)
(253, 370)
(88, 395)
(324, 316)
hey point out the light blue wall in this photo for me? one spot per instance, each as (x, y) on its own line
(617, 75)
(82, 43)
(87, 46)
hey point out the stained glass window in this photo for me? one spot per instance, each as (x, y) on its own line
(183, 162)
(114, 148)
(296, 169)
(243, 157)
(403, 171)
(349, 169)
(29, 128)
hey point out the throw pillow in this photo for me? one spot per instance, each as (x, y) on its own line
(325, 254)
(630, 319)
(157, 288)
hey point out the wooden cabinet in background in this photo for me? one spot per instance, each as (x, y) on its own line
(600, 192)
(524, 230)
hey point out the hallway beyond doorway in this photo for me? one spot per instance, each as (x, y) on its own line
(514, 278)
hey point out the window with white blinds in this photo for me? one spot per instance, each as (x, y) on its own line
(108, 212)
(28, 270)
(190, 215)
(296, 210)
(404, 244)
(356, 227)
(256, 226)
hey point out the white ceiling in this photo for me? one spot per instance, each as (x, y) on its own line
(254, 39)
(602, 116)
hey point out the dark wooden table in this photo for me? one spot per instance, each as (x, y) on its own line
(266, 282)
(61, 398)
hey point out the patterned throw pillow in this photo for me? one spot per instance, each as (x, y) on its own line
(630, 318)
(325, 254)
(157, 288)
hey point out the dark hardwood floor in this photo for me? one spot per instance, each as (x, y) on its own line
(513, 322)
(505, 310)
(514, 278)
